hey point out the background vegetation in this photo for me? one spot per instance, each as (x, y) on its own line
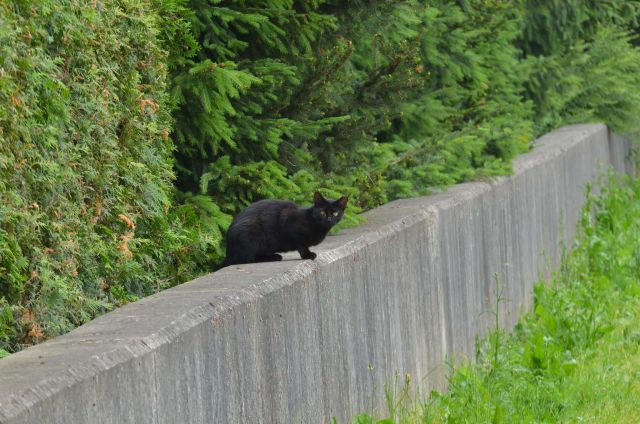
(575, 357)
(131, 131)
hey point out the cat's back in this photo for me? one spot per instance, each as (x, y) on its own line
(265, 212)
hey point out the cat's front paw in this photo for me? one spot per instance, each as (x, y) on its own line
(310, 255)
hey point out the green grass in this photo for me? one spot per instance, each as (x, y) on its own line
(575, 358)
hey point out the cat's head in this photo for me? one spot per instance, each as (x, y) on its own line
(328, 212)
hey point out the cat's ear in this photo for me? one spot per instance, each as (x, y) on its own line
(318, 200)
(342, 202)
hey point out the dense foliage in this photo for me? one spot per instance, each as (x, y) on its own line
(132, 130)
(85, 165)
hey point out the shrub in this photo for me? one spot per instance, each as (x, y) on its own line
(85, 164)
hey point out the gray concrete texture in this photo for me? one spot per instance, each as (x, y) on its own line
(302, 341)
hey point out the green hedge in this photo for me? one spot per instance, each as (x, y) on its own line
(85, 165)
(132, 130)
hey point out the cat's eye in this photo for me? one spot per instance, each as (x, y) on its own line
(335, 213)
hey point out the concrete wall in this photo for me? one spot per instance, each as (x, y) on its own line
(301, 341)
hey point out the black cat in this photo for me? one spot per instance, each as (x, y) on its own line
(270, 226)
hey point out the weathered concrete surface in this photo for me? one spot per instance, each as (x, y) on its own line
(301, 341)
